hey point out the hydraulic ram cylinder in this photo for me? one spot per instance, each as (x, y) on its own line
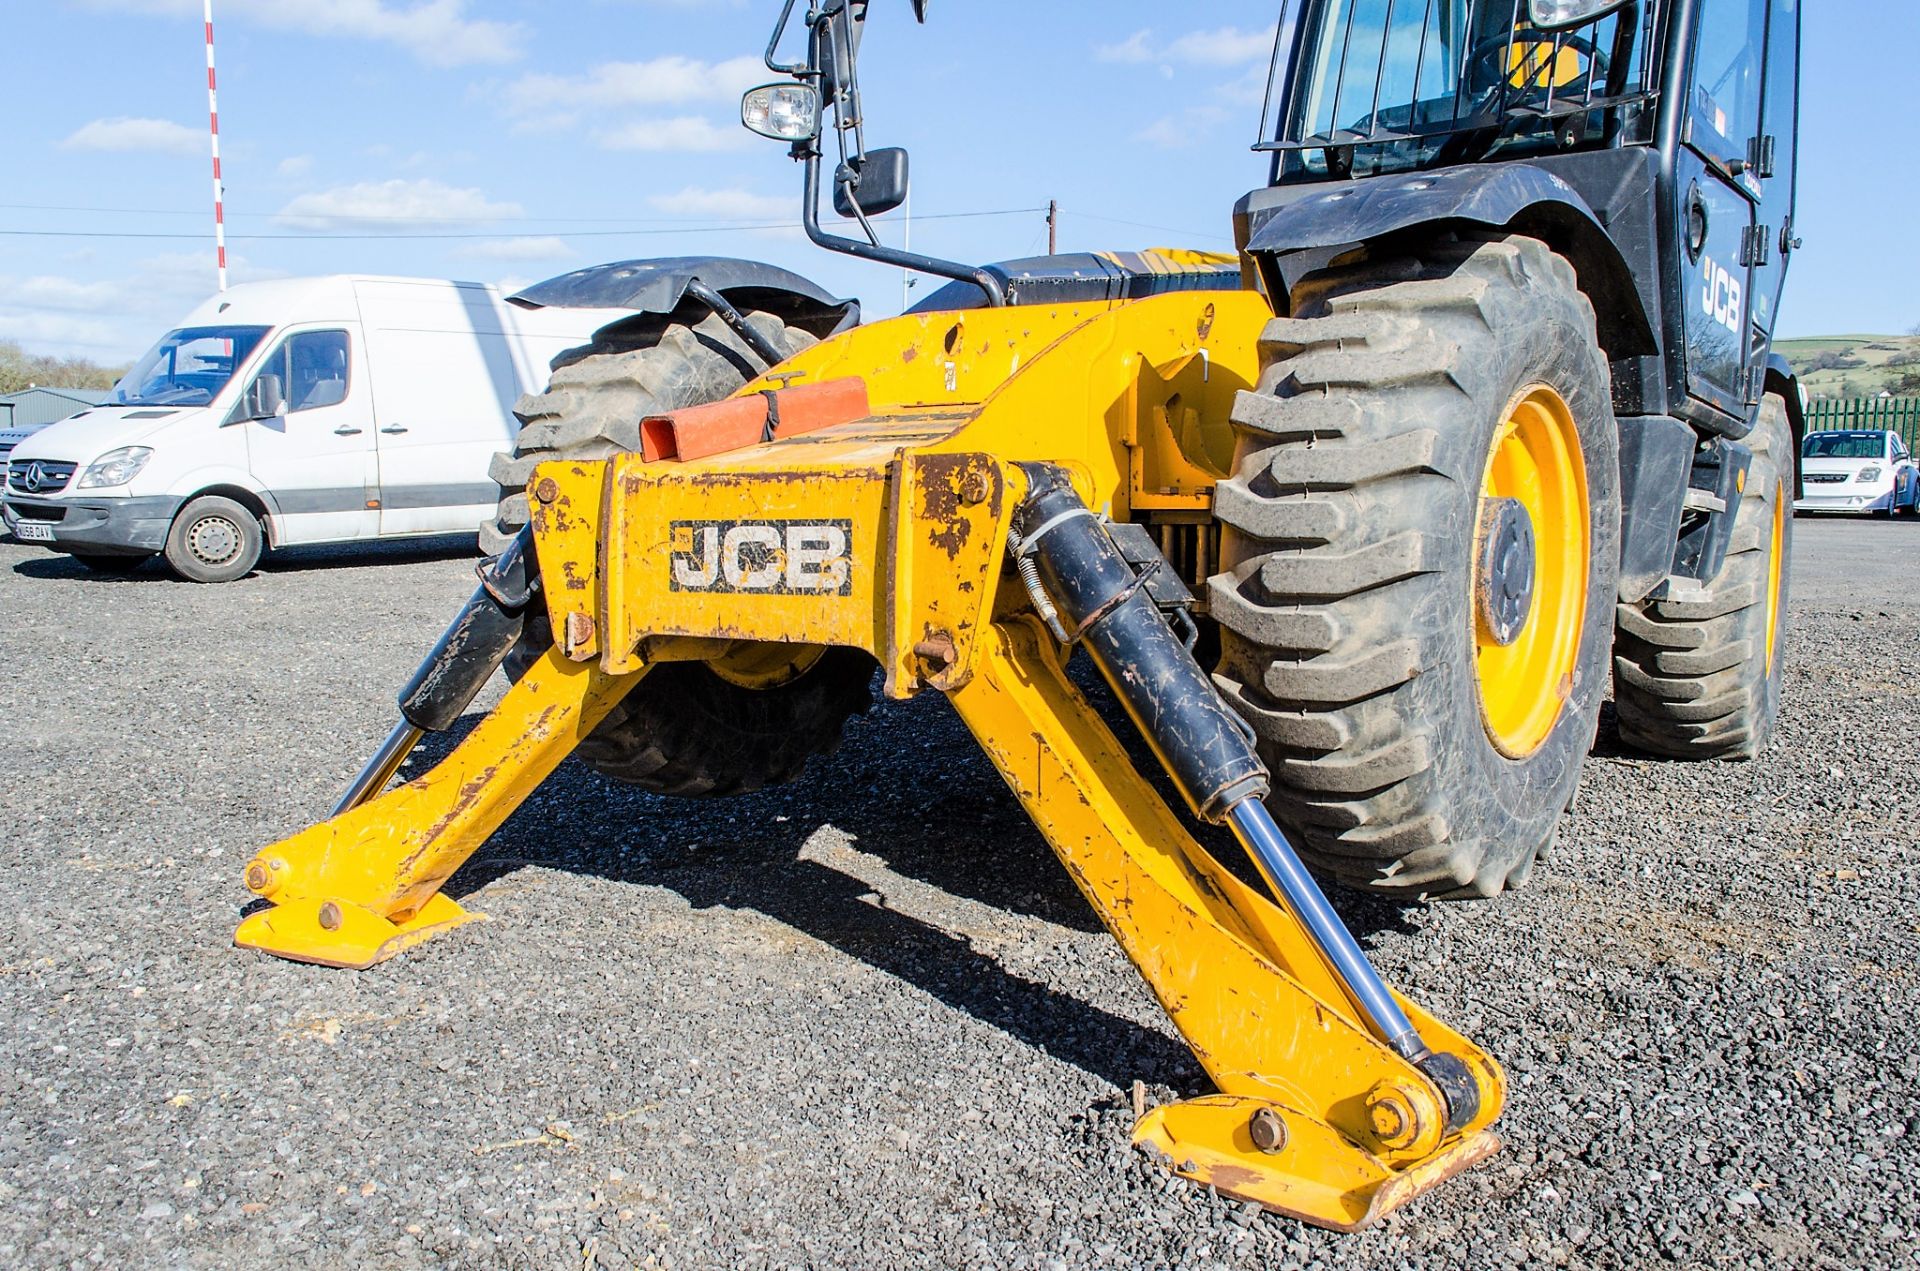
(1098, 600)
(467, 654)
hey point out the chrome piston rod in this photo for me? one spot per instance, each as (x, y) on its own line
(466, 655)
(1097, 599)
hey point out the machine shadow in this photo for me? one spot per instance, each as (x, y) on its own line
(909, 788)
(749, 854)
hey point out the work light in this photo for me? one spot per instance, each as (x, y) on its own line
(1557, 15)
(784, 112)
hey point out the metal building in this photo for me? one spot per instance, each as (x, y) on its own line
(33, 407)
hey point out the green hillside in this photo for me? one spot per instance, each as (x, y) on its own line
(1855, 365)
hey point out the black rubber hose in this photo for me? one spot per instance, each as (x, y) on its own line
(1101, 601)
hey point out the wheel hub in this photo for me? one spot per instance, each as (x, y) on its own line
(1504, 590)
(214, 540)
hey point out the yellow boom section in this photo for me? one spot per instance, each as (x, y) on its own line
(890, 534)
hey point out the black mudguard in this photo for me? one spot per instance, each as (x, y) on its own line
(1306, 224)
(660, 287)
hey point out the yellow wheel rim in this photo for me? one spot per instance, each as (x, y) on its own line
(1774, 570)
(1525, 678)
(764, 665)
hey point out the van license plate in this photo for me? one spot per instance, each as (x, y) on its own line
(33, 531)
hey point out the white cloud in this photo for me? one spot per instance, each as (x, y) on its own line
(60, 295)
(148, 136)
(114, 319)
(1249, 89)
(65, 335)
(1176, 132)
(188, 277)
(1226, 46)
(1165, 133)
(726, 205)
(1135, 48)
(662, 81)
(295, 165)
(547, 248)
(685, 133)
(438, 32)
(424, 204)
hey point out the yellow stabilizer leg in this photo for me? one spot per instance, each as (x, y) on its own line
(1316, 1117)
(358, 889)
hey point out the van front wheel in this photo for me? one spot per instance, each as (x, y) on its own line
(214, 540)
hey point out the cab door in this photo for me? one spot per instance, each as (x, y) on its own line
(1720, 190)
(316, 457)
(1776, 156)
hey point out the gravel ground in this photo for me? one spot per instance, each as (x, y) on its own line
(824, 1027)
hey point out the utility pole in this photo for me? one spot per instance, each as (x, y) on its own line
(906, 275)
(219, 189)
(1053, 221)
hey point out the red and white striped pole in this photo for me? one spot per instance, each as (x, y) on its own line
(219, 191)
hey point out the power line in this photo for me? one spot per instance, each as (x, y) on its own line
(436, 220)
(1165, 229)
(679, 227)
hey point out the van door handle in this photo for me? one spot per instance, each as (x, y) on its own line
(394, 428)
(346, 430)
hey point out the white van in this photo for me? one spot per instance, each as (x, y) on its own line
(310, 410)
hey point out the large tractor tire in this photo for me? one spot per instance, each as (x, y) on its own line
(689, 729)
(1421, 555)
(1698, 676)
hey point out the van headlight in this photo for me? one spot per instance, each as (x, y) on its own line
(1869, 473)
(116, 467)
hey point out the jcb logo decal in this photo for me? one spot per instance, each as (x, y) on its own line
(780, 558)
(1721, 296)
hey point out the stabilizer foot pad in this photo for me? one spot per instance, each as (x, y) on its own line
(1317, 1175)
(340, 933)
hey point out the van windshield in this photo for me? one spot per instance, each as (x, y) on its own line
(188, 367)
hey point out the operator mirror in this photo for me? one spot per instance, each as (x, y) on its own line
(876, 183)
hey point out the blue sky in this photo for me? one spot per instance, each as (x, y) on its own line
(512, 141)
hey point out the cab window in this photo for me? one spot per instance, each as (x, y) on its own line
(1726, 70)
(313, 367)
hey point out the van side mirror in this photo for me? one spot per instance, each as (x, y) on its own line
(877, 183)
(266, 399)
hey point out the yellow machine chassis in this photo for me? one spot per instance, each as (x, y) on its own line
(1132, 400)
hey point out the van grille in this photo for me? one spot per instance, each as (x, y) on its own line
(1825, 478)
(38, 476)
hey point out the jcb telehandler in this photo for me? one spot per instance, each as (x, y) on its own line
(1489, 396)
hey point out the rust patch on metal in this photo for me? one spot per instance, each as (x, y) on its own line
(1235, 1180)
(944, 488)
(579, 630)
(937, 655)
